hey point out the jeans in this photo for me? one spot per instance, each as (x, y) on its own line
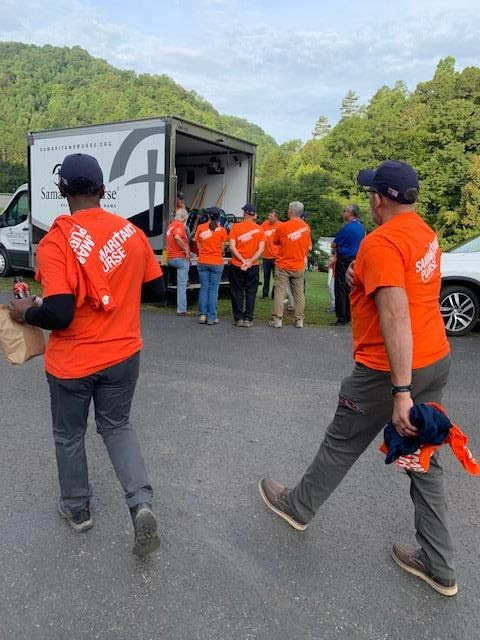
(365, 405)
(243, 289)
(268, 266)
(209, 276)
(112, 392)
(182, 266)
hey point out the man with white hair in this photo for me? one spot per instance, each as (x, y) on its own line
(294, 242)
(178, 251)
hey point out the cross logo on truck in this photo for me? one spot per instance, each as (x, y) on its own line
(151, 178)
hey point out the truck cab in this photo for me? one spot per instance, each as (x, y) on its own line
(15, 233)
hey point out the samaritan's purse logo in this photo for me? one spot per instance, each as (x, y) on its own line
(427, 266)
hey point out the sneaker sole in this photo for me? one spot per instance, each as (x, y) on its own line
(146, 539)
(444, 591)
(85, 526)
(293, 523)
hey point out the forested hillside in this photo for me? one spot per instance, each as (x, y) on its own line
(51, 87)
(436, 128)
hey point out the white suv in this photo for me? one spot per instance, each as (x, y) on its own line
(460, 295)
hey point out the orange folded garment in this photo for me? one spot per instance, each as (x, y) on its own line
(419, 460)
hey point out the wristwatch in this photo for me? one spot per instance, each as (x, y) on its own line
(405, 388)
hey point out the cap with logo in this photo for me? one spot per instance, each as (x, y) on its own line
(80, 167)
(179, 195)
(249, 208)
(394, 179)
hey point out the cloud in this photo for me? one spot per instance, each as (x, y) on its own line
(279, 76)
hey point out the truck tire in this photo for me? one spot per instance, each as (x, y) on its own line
(5, 269)
(460, 309)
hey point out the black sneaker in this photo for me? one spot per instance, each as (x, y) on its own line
(275, 496)
(78, 520)
(407, 558)
(145, 525)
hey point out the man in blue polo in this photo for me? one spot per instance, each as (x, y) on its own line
(346, 244)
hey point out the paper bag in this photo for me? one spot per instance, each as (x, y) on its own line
(20, 342)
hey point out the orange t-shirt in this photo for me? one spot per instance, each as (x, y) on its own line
(97, 339)
(404, 252)
(210, 243)
(294, 242)
(271, 232)
(247, 236)
(174, 250)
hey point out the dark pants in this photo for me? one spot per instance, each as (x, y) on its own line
(243, 291)
(365, 405)
(112, 393)
(268, 266)
(342, 292)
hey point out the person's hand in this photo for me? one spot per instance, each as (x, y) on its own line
(350, 275)
(18, 307)
(402, 403)
(247, 263)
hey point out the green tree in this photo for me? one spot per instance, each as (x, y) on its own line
(322, 127)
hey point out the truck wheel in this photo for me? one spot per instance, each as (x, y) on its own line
(460, 309)
(4, 264)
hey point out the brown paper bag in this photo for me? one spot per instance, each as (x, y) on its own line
(20, 342)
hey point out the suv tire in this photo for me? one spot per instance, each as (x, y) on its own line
(4, 264)
(460, 309)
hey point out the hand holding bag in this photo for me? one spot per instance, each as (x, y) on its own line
(20, 342)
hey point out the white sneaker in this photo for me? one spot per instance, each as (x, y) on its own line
(202, 319)
(299, 323)
(275, 323)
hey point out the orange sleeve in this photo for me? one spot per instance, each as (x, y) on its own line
(52, 272)
(152, 267)
(382, 267)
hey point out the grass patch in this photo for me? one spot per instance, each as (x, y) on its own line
(316, 300)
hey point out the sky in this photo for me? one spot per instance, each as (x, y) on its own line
(279, 64)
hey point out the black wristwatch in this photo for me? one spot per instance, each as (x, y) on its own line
(406, 388)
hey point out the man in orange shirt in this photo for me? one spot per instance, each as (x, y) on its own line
(401, 356)
(93, 267)
(247, 242)
(294, 242)
(270, 228)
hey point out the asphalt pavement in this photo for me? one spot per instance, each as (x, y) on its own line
(216, 408)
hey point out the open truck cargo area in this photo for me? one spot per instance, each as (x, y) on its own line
(144, 163)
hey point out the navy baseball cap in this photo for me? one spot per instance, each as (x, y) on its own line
(394, 179)
(179, 195)
(249, 208)
(80, 166)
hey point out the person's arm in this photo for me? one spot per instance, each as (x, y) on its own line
(257, 254)
(55, 313)
(235, 252)
(395, 325)
(183, 245)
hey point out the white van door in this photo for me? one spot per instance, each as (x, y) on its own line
(14, 232)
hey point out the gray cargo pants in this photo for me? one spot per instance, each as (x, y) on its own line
(112, 393)
(365, 406)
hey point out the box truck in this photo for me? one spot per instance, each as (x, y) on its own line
(145, 163)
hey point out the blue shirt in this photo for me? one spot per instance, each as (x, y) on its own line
(349, 237)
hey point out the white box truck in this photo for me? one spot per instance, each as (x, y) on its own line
(144, 163)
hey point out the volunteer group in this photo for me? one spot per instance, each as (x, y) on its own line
(400, 349)
(284, 247)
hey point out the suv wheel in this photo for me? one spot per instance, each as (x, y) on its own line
(4, 264)
(460, 309)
